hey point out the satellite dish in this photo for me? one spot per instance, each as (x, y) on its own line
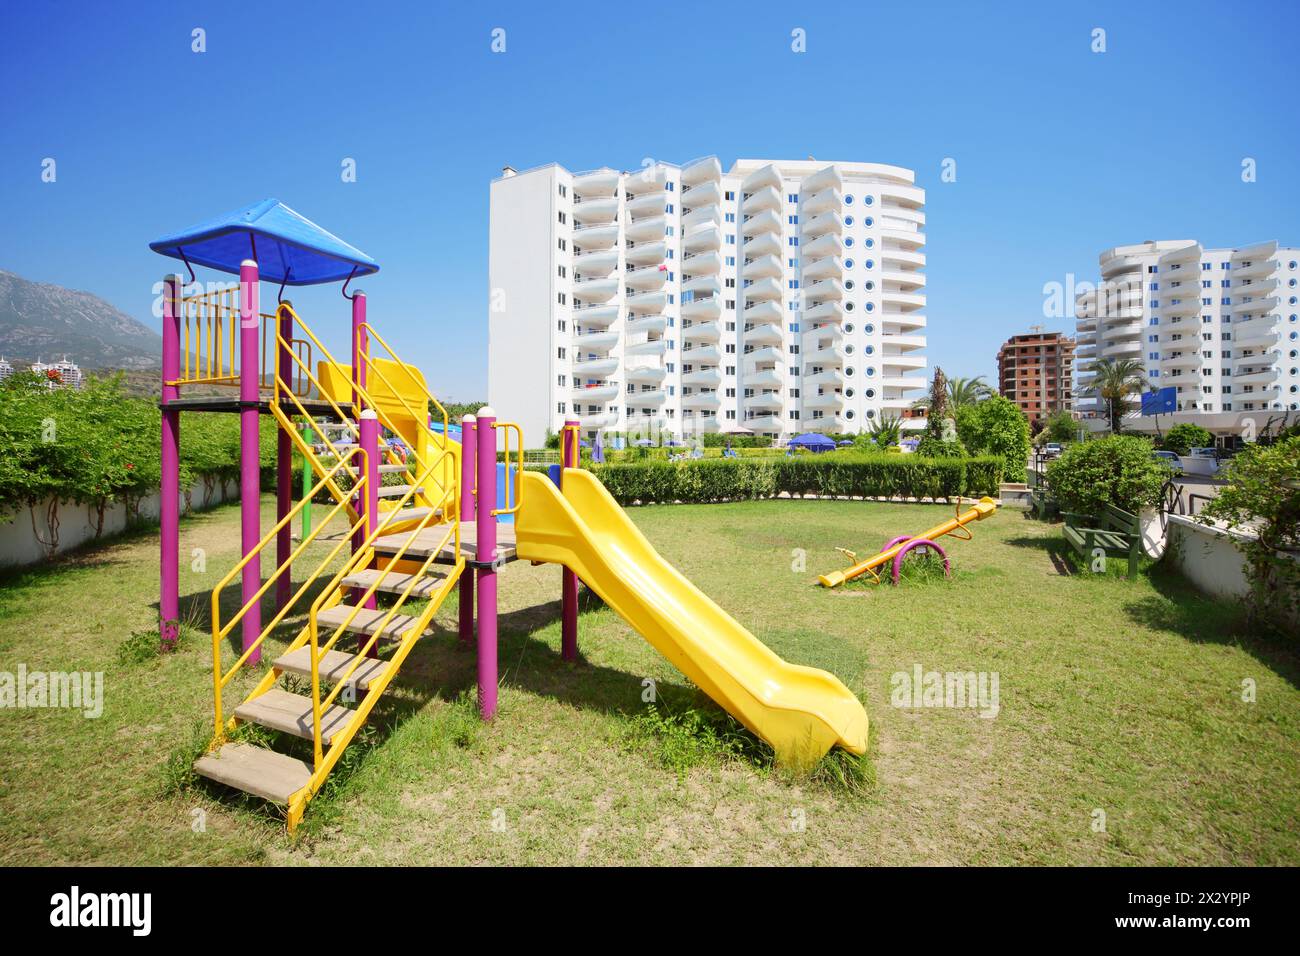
(1154, 531)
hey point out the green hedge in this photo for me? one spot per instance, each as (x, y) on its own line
(877, 476)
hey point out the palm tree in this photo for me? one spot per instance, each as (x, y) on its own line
(886, 430)
(1114, 381)
(960, 392)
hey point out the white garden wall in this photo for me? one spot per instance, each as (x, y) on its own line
(21, 545)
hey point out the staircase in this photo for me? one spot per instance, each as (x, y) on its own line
(349, 648)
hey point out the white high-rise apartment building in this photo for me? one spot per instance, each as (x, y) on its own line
(1219, 325)
(777, 297)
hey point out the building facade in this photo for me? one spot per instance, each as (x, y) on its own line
(776, 297)
(1218, 325)
(1036, 371)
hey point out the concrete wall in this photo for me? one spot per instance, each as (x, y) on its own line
(19, 544)
(1208, 558)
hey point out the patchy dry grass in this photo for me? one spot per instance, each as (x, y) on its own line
(1118, 696)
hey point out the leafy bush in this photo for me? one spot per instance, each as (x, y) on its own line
(876, 476)
(931, 447)
(996, 426)
(1185, 436)
(1263, 491)
(1116, 470)
(1060, 428)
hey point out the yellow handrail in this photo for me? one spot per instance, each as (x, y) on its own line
(519, 469)
(219, 632)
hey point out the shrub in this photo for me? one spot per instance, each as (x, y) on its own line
(996, 426)
(931, 447)
(1060, 427)
(874, 476)
(1263, 491)
(1116, 470)
(1185, 436)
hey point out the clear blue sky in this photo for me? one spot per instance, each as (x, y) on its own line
(1061, 152)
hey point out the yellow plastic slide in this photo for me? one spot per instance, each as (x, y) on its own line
(801, 711)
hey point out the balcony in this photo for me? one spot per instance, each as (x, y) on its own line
(762, 289)
(769, 355)
(595, 368)
(644, 396)
(828, 267)
(708, 399)
(764, 423)
(1181, 360)
(1257, 337)
(830, 354)
(1257, 306)
(765, 399)
(831, 376)
(905, 239)
(701, 263)
(702, 310)
(824, 290)
(894, 360)
(768, 198)
(597, 182)
(902, 258)
(596, 341)
(646, 228)
(761, 178)
(707, 377)
(903, 280)
(588, 238)
(594, 291)
(765, 378)
(701, 216)
(904, 301)
(765, 334)
(595, 265)
(763, 244)
(1259, 268)
(828, 223)
(646, 204)
(646, 279)
(761, 222)
(701, 354)
(603, 420)
(827, 245)
(903, 382)
(602, 393)
(702, 332)
(829, 311)
(702, 239)
(646, 373)
(1253, 287)
(901, 322)
(647, 301)
(594, 212)
(1186, 305)
(828, 200)
(646, 347)
(701, 287)
(701, 171)
(826, 399)
(646, 325)
(905, 342)
(1122, 350)
(826, 178)
(764, 311)
(897, 194)
(1256, 376)
(764, 266)
(646, 253)
(813, 336)
(602, 315)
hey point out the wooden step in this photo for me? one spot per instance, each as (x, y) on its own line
(425, 541)
(332, 666)
(394, 491)
(395, 583)
(291, 713)
(408, 514)
(365, 622)
(256, 770)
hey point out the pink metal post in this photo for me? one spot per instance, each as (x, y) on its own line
(360, 345)
(170, 505)
(284, 466)
(370, 495)
(569, 580)
(468, 450)
(250, 371)
(485, 551)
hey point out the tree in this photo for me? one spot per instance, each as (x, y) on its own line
(1060, 427)
(1185, 436)
(940, 439)
(1116, 470)
(1115, 381)
(996, 426)
(885, 431)
(958, 393)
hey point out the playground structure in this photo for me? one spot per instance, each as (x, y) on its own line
(898, 548)
(441, 528)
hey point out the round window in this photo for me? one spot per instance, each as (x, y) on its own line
(849, 414)
(869, 371)
(1291, 283)
(871, 413)
(848, 350)
(870, 393)
(1291, 264)
(848, 306)
(868, 242)
(848, 283)
(868, 285)
(848, 200)
(848, 263)
(868, 222)
(869, 350)
(848, 372)
(869, 306)
(867, 200)
(848, 220)
(869, 264)
(848, 393)
(868, 328)
(848, 328)
(848, 242)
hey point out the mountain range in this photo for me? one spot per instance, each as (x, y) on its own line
(40, 320)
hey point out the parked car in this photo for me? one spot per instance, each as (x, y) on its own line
(1053, 449)
(1169, 458)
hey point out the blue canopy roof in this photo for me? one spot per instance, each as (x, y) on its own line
(812, 440)
(288, 248)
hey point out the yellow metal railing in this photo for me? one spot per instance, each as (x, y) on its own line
(519, 468)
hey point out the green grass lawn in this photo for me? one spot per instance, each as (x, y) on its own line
(1117, 698)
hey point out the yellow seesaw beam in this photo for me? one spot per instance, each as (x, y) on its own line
(978, 512)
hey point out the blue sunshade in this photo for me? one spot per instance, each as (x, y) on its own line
(288, 248)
